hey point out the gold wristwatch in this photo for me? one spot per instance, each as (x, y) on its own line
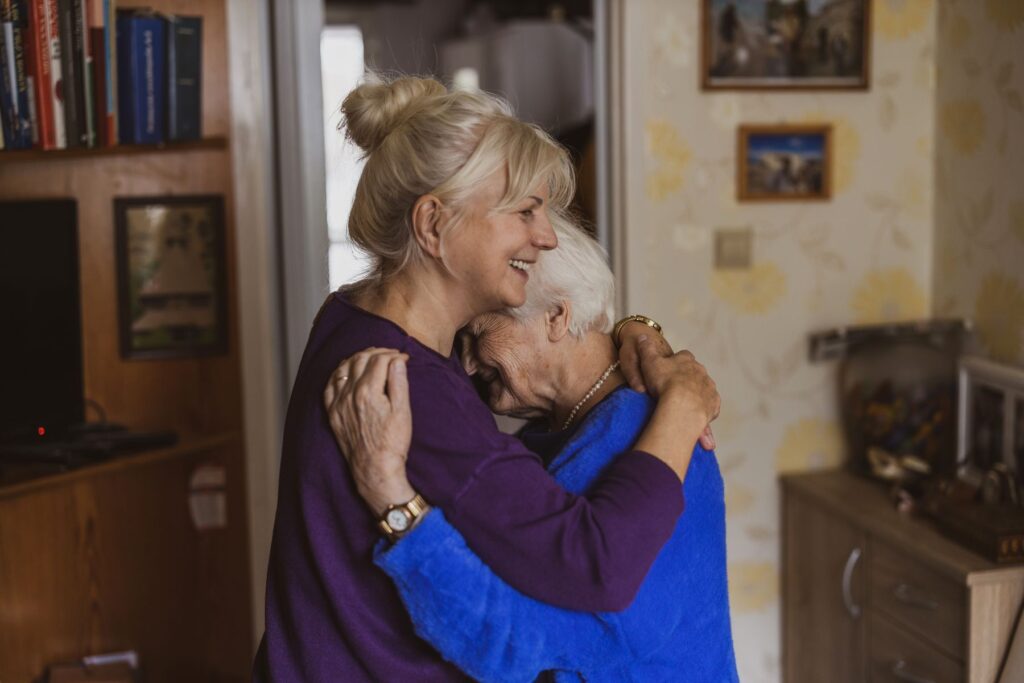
(631, 319)
(398, 519)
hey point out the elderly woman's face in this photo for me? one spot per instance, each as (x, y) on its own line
(510, 357)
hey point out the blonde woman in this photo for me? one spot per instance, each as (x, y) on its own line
(455, 205)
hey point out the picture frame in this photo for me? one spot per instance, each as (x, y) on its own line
(784, 162)
(775, 45)
(171, 272)
(990, 415)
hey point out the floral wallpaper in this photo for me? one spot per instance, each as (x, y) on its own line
(979, 209)
(865, 256)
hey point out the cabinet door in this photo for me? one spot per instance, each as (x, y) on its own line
(823, 592)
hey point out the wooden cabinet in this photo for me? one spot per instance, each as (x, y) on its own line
(110, 557)
(107, 557)
(869, 594)
(828, 550)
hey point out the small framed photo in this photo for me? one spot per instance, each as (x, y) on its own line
(784, 162)
(171, 276)
(785, 45)
(990, 415)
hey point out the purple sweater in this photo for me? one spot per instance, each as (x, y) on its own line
(332, 615)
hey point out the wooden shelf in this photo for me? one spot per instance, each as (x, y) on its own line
(186, 447)
(219, 142)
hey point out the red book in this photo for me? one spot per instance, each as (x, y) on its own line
(50, 30)
(39, 68)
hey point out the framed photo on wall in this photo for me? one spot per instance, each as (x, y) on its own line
(784, 162)
(172, 291)
(785, 44)
(990, 415)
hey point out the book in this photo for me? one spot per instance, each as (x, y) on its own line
(17, 20)
(71, 90)
(96, 30)
(141, 77)
(110, 68)
(38, 74)
(83, 65)
(15, 92)
(184, 78)
(99, 85)
(7, 116)
(49, 33)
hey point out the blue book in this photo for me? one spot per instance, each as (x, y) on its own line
(17, 119)
(184, 78)
(141, 77)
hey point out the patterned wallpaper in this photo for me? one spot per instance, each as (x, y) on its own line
(865, 256)
(979, 209)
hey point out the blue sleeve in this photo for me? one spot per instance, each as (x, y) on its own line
(489, 629)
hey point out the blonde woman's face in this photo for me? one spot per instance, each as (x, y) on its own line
(491, 253)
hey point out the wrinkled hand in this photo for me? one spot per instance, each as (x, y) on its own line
(367, 403)
(684, 378)
(629, 351)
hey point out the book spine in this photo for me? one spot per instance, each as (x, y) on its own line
(83, 64)
(49, 30)
(7, 113)
(72, 85)
(19, 28)
(110, 67)
(125, 102)
(39, 68)
(99, 82)
(147, 77)
(184, 78)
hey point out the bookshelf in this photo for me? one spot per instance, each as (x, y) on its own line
(8, 156)
(148, 580)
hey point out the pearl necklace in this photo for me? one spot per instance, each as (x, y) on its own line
(593, 390)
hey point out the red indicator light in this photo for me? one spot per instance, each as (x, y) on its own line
(41, 431)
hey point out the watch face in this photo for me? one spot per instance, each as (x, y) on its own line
(397, 520)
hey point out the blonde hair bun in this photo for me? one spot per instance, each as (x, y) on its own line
(375, 109)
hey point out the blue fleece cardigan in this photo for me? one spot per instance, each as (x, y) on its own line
(677, 629)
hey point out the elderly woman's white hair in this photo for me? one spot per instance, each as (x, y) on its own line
(577, 272)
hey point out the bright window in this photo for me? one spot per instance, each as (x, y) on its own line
(341, 66)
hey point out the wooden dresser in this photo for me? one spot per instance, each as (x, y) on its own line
(869, 594)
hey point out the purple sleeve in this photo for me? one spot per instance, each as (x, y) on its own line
(587, 553)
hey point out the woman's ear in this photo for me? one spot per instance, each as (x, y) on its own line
(557, 319)
(427, 215)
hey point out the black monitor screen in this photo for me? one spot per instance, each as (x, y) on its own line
(41, 334)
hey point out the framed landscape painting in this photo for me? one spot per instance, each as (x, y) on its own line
(785, 44)
(171, 276)
(784, 162)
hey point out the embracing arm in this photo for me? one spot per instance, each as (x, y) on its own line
(484, 626)
(588, 553)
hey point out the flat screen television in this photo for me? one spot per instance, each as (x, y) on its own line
(41, 392)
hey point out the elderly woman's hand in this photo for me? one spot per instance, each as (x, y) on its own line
(629, 351)
(367, 403)
(630, 362)
(684, 378)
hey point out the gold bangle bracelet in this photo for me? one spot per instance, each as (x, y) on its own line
(632, 319)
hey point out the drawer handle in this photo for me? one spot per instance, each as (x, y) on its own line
(851, 563)
(900, 671)
(905, 594)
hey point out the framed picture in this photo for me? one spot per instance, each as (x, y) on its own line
(990, 414)
(171, 276)
(784, 162)
(785, 44)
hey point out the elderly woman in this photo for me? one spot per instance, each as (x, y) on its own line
(455, 204)
(529, 360)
